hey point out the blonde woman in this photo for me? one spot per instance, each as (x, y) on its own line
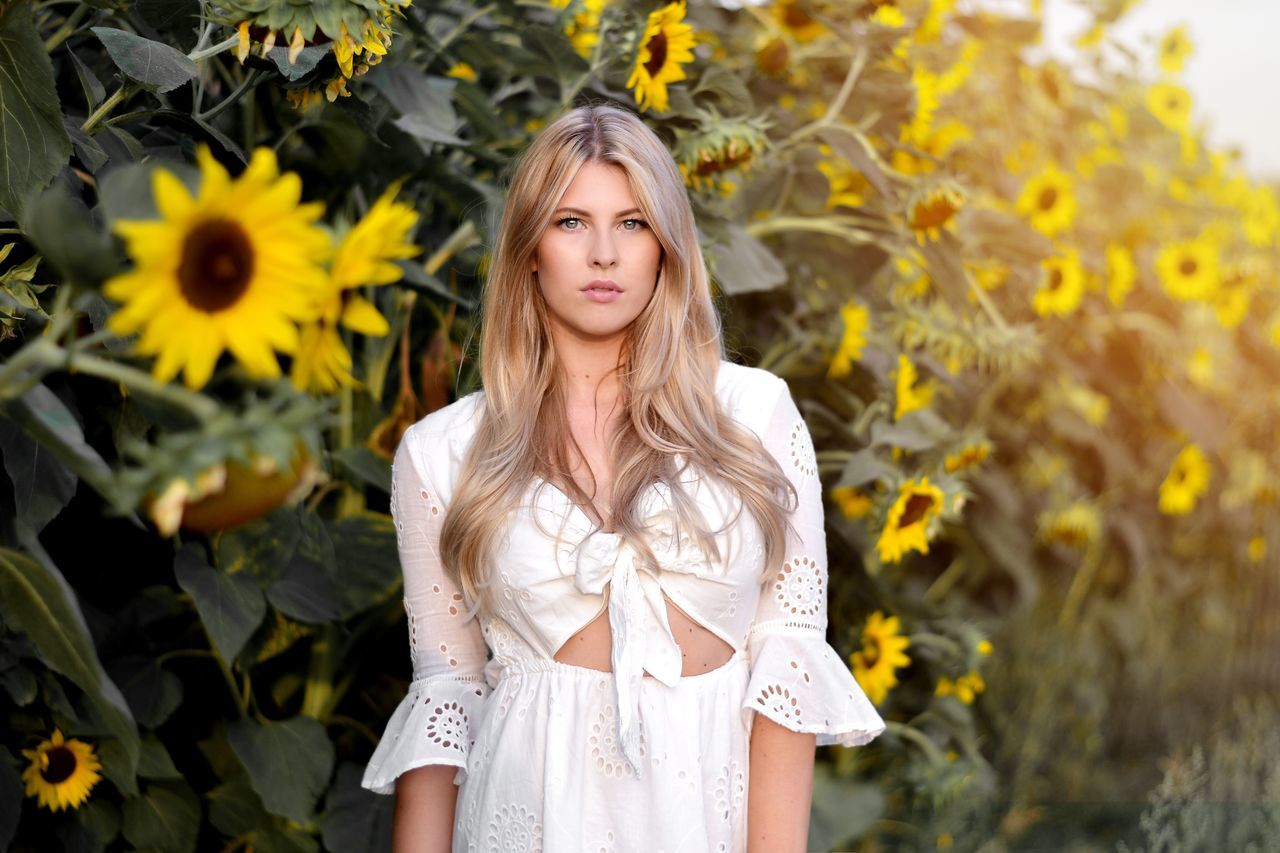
(614, 561)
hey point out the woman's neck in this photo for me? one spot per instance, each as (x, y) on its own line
(589, 369)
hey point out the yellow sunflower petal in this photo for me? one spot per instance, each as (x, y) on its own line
(361, 316)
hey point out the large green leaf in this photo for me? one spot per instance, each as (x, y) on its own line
(355, 818)
(743, 264)
(364, 464)
(842, 810)
(153, 692)
(53, 426)
(365, 547)
(166, 816)
(154, 762)
(307, 589)
(288, 762)
(231, 606)
(234, 807)
(158, 67)
(65, 234)
(36, 600)
(33, 142)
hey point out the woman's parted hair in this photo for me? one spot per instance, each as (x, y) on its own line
(667, 372)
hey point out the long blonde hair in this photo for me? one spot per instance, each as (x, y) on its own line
(667, 369)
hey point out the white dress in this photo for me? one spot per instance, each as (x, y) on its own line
(557, 757)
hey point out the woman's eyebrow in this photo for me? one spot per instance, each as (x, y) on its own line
(583, 213)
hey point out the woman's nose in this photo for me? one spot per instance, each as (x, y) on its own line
(604, 250)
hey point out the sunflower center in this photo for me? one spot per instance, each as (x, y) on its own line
(217, 264)
(1048, 198)
(1188, 266)
(657, 54)
(870, 652)
(915, 509)
(62, 764)
(1055, 279)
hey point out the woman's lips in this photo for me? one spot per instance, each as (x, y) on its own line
(602, 291)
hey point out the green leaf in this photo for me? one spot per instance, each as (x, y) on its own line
(841, 810)
(305, 63)
(288, 762)
(355, 818)
(274, 840)
(20, 683)
(306, 591)
(365, 465)
(53, 426)
(864, 467)
(36, 600)
(235, 809)
(366, 546)
(743, 264)
(33, 142)
(154, 761)
(914, 431)
(63, 231)
(156, 66)
(153, 692)
(94, 93)
(165, 817)
(231, 606)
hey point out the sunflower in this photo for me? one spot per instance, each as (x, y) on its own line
(1077, 525)
(1062, 288)
(970, 456)
(927, 87)
(1261, 211)
(847, 187)
(964, 688)
(364, 257)
(1257, 549)
(583, 29)
(934, 211)
(707, 158)
(789, 15)
(910, 396)
(852, 501)
(856, 319)
(61, 773)
(1049, 201)
(1187, 480)
(1171, 104)
(235, 267)
(906, 527)
(1175, 47)
(1122, 273)
(462, 71)
(666, 44)
(1189, 270)
(875, 666)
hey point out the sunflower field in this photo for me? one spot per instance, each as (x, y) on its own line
(1028, 312)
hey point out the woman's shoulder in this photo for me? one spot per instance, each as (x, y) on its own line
(748, 393)
(439, 439)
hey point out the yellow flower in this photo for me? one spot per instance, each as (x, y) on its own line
(364, 257)
(968, 457)
(909, 396)
(791, 17)
(985, 647)
(1091, 405)
(235, 267)
(1187, 480)
(853, 502)
(1078, 525)
(934, 211)
(1175, 47)
(1171, 104)
(856, 319)
(462, 71)
(1189, 270)
(1257, 549)
(61, 773)
(1049, 201)
(1091, 37)
(1122, 273)
(888, 16)
(928, 98)
(906, 527)
(945, 840)
(1062, 288)
(1261, 212)
(963, 688)
(848, 186)
(667, 42)
(875, 666)
(1200, 367)
(583, 30)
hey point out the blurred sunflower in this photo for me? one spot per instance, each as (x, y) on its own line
(790, 15)
(61, 773)
(965, 688)
(847, 187)
(666, 44)
(1048, 200)
(875, 666)
(1261, 211)
(906, 527)
(235, 267)
(1175, 47)
(583, 29)
(364, 257)
(1062, 287)
(969, 456)
(721, 147)
(462, 71)
(935, 210)
(1189, 270)
(856, 319)
(852, 501)
(1171, 104)
(1187, 480)
(1257, 549)
(909, 395)
(1122, 273)
(1077, 525)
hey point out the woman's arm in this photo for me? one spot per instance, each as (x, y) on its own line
(780, 788)
(425, 801)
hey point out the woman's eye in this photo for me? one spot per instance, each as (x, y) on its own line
(640, 223)
(569, 219)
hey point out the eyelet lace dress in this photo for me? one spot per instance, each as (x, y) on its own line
(556, 757)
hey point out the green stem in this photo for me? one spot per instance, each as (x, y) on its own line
(319, 697)
(68, 27)
(919, 738)
(815, 224)
(837, 105)
(104, 109)
(214, 50)
(249, 80)
(936, 641)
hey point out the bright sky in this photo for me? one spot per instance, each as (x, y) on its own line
(1230, 75)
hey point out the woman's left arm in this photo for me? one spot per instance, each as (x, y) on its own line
(781, 788)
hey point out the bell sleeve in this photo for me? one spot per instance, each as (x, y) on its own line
(433, 723)
(797, 679)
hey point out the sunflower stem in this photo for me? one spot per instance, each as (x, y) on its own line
(213, 50)
(249, 80)
(319, 697)
(919, 738)
(104, 109)
(817, 224)
(65, 31)
(837, 105)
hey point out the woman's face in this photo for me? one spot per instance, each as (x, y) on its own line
(597, 262)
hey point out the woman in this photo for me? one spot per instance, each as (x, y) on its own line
(635, 526)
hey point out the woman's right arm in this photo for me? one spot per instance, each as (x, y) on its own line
(428, 737)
